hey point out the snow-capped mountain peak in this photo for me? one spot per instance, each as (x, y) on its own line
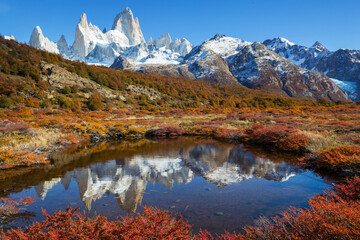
(318, 46)
(225, 46)
(163, 41)
(124, 39)
(125, 23)
(38, 40)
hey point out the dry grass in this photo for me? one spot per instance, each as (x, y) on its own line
(322, 141)
(34, 138)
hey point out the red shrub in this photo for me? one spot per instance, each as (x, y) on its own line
(281, 137)
(155, 224)
(330, 217)
(338, 158)
(152, 224)
(343, 157)
(349, 190)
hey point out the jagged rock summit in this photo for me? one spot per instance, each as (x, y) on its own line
(125, 23)
(318, 46)
(38, 40)
(125, 39)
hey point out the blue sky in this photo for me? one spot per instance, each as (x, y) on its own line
(335, 23)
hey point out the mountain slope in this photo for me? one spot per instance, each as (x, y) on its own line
(257, 67)
(342, 65)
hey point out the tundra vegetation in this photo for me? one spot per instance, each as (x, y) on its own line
(41, 113)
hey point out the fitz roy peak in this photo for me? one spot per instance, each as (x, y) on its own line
(125, 38)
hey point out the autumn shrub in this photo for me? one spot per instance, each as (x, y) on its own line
(151, 224)
(32, 102)
(225, 133)
(15, 158)
(7, 126)
(349, 190)
(95, 102)
(329, 217)
(70, 139)
(64, 102)
(205, 130)
(337, 158)
(281, 137)
(5, 102)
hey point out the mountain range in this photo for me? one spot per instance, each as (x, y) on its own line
(276, 65)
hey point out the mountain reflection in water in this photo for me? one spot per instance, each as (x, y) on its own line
(127, 178)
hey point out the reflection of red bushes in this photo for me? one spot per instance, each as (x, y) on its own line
(166, 132)
(10, 207)
(281, 137)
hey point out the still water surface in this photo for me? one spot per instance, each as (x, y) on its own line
(217, 186)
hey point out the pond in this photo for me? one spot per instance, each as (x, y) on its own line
(216, 186)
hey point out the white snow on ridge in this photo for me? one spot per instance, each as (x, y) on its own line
(11, 37)
(226, 46)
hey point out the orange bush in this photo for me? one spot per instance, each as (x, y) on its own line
(343, 157)
(280, 137)
(16, 158)
(338, 158)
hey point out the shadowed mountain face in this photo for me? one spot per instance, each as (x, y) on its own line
(127, 178)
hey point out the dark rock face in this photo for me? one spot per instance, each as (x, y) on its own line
(120, 63)
(258, 67)
(343, 64)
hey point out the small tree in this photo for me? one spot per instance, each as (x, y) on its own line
(95, 102)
